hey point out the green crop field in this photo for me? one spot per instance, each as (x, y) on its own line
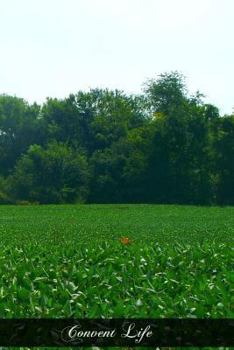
(69, 261)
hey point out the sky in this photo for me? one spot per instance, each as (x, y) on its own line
(51, 48)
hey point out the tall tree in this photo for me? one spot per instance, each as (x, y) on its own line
(179, 162)
(19, 127)
(223, 157)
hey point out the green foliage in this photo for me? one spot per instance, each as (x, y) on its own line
(163, 146)
(19, 128)
(67, 261)
(56, 174)
(223, 145)
(179, 168)
(167, 93)
(4, 198)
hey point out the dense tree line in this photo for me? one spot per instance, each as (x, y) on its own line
(103, 146)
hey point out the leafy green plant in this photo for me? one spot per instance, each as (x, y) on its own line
(70, 261)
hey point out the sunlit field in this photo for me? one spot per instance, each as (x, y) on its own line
(116, 261)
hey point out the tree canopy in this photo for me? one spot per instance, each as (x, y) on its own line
(105, 146)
